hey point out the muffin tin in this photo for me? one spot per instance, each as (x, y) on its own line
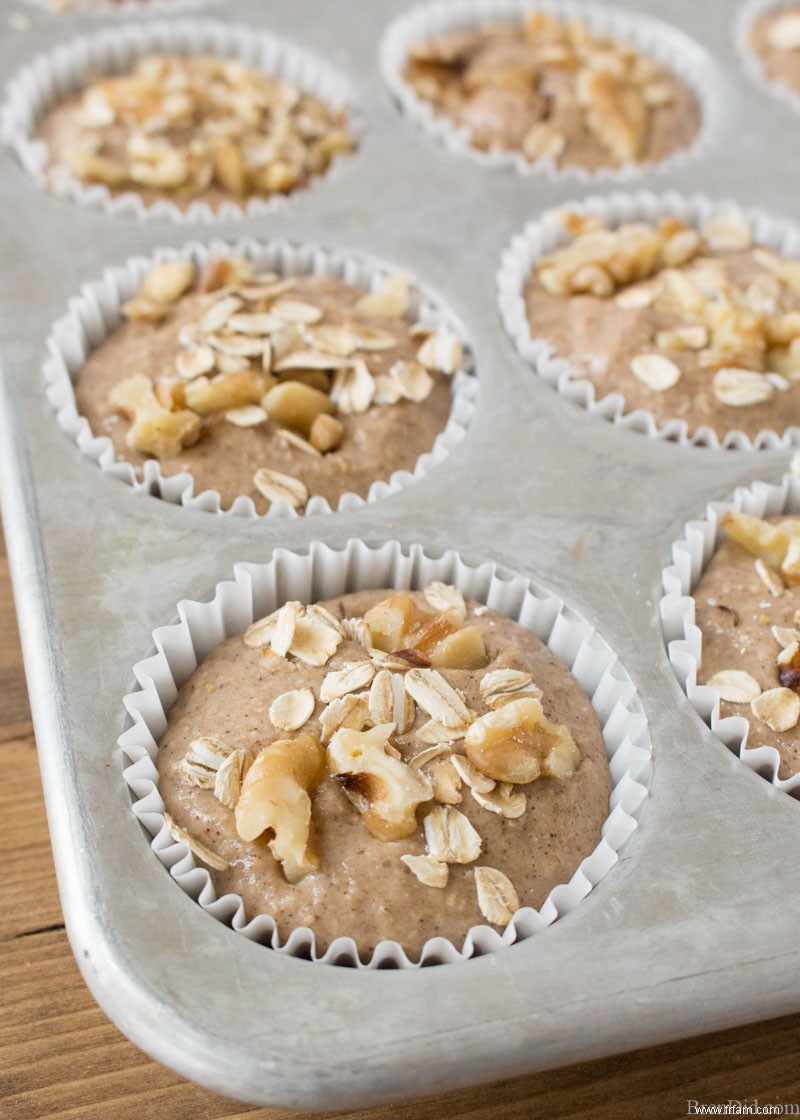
(687, 933)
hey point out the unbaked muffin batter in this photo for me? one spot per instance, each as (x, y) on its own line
(551, 89)
(748, 610)
(270, 387)
(533, 834)
(695, 325)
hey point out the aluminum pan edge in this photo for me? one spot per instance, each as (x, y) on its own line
(344, 1039)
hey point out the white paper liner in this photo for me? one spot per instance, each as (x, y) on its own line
(546, 233)
(690, 557)
(323, 573)
(753, 66)
(95, 313)
(675, 50)
(52, 78)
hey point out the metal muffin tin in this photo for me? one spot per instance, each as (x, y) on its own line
(694, 930)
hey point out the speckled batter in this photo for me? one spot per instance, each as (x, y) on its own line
(485, 91)
(782, 66)
(735, 613)
(362, 889)
(376, 443)
(601, 338)
(270, 156)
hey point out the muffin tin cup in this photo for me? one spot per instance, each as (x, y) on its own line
(753, 66)
(674, 49)
(52, 78)
(95, 313)
(323, 573)
(690, 557)
(545, 234)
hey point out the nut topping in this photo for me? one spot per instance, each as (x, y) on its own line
(393, 790)
(543, 86)
(275, 356)
(372, 727)
(728, 233)
(155, 430)
(167, 282)
(517, 743)
(774, 546)
(275, 796)
(191, 124)
(738, 326)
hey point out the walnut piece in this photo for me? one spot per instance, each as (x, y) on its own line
(155, 430)
(517, 743)
(275, 796)
(393, 790)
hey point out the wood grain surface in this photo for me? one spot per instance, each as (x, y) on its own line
(60, 1057)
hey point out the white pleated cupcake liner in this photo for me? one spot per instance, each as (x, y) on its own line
(95, 313)
(54, 77)
(547, 233)
(675, 50)
(690, 557)
(323, 573)
(753, 66)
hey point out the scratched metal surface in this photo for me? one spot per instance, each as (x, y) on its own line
(695, 930)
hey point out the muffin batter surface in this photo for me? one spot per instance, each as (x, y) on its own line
(221, 410)
(748, 610)
(551, 89)
(775, 38)
(194, 128)
(701, 326)
(362, 888)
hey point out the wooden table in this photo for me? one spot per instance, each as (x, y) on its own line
(60, 1057)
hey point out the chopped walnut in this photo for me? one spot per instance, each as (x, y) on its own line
(544, 85)
(393, 791)
(275, 796)
(186, 126)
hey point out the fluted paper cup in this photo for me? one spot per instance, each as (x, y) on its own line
(321, 573)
